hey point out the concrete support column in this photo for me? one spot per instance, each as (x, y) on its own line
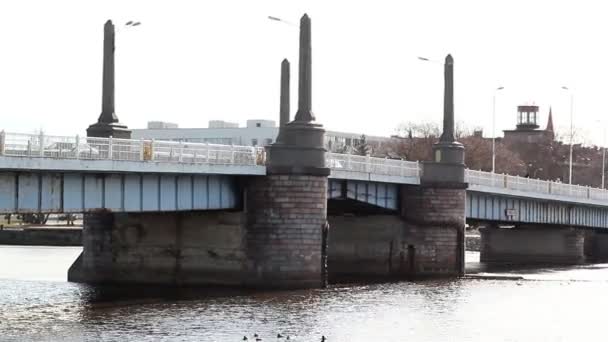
(176, 248)
(286, 216)
(434, 230)
(596, 245)
(533, 246)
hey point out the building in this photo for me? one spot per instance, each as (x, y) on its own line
(527, 130)
(255, 133)
(161, 125)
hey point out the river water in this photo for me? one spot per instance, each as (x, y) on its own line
(551, 304)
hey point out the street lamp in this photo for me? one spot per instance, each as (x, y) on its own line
(571, 130)
(603, 151)
(430, 60)
(493, 128)
(270, 17)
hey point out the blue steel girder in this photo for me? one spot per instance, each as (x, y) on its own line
(384, 195)
(56, 192)
(502, 208)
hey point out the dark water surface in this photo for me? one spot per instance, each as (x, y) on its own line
(553, 304)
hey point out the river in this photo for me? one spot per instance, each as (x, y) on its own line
(550, 304)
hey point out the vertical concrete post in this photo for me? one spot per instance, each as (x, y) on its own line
(2, 142)
(284, 99)
(77, 147)
(110, 148)
(287, 209)
(142, 147)
(41, 138)
(107, 124)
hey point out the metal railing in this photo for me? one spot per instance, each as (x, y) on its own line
(531, 185)
(75, 147)
(368, 164)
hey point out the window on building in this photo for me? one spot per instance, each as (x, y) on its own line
(267, 141)
(254, 142)
(258, 125)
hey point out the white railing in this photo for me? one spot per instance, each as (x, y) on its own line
(531, 185)
(367, 164)
(75, 147)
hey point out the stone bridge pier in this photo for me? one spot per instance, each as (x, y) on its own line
(275, 240)
(543, 244)
(425, 236)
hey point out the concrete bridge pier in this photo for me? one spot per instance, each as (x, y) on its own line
(425, 237)
(534, 245)
(171, 248)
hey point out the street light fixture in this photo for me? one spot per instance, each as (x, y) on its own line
(493, 128)
(571, 130)
(603, 125)
(273, 18)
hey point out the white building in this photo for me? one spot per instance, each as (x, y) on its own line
(256, 133)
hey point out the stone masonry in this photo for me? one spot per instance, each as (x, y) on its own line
(435, 224)
(285, 217)
(181, 248)
(425, 239)
(540, 245)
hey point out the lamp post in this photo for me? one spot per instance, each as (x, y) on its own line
(603, 152)
(604, 159)
(493, 128)
(571, 131)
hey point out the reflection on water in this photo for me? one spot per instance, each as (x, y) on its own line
(553, 304)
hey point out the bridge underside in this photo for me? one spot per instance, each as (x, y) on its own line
(57, 192)
(383, 195)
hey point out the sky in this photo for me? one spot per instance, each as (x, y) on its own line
(194, 61)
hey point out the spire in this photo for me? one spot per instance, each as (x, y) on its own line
(448, 101)
(304, 113)
(107, 124)
(550, 121)
(284, 106)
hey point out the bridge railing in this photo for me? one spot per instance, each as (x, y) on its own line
(75, 147)
(525, 184)
(367, 164)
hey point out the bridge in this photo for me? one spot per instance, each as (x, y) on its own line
(58, 174)
(289, 215)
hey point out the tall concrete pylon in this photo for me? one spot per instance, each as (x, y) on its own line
(107, 124)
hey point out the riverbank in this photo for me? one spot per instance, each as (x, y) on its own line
(42, 236)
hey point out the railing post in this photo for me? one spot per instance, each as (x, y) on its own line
(41, 137)
(77, 146)
(2, 142)
(368, 163)
(180, 158)
(152, 150)
(29, 148)
(588, 191)
(110, 150)
(231, 154)
(208, 153)
(505, 180)
(348, 162)
(549, 187)
(142, 147)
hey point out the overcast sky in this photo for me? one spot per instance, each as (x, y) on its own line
(194, 61)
